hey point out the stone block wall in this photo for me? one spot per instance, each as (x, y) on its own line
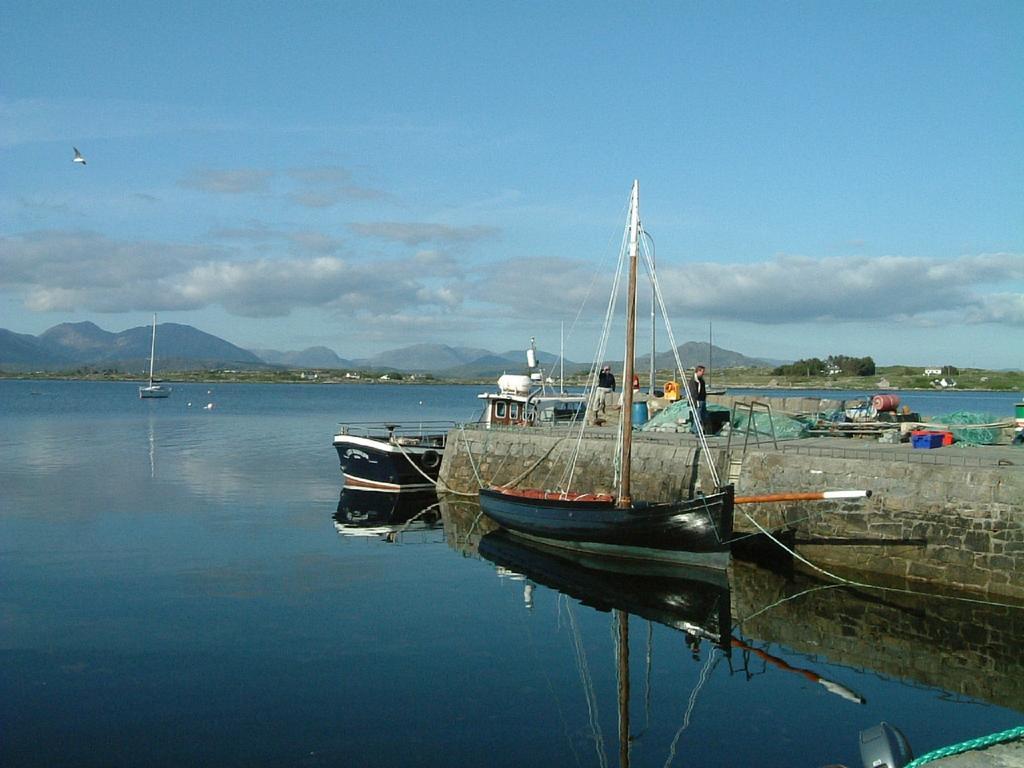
(538, 458)
(956, 525)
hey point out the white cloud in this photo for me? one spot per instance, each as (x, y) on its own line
(58, 271)
(259, 271)
(415, 233)
(1002, 308)
(231, 181)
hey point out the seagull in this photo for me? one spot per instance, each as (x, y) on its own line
(78, 157)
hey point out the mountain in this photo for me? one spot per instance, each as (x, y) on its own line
(72, 345)
(425, 358)
(312, 357)
(697, 353)
(181, 347)
(79, 341)
(20, 351)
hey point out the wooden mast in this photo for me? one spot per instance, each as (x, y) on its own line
(622, 674)
(624, 500)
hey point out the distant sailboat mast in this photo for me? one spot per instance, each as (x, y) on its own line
(561, 358)
(152, 351)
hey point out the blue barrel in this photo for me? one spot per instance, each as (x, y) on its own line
(639, 414)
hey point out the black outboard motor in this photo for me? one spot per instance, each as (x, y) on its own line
(884, 746)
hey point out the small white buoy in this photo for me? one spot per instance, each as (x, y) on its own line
(190, 405)
(208, 407)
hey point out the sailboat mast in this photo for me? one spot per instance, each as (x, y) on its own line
(561, 358)
(624, 499)
(654, 323)
(622, 673)
(152, 351)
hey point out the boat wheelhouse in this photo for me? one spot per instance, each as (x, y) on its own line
(522, 401)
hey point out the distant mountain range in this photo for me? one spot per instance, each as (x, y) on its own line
(70, 346)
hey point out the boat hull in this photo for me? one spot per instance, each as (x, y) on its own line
(693, 531)
(377, 464)
(154, 391)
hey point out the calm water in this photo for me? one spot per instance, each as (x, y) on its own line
(174, 591)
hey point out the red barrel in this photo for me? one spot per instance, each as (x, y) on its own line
(883, 403)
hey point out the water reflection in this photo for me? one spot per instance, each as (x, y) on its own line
(694, 601)
(386, 516)
(887, 655)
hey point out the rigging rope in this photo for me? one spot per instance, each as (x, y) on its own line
(705, 673)
(701, 437)
(588, 687)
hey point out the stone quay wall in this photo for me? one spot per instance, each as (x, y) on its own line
(947, 516)
(939, 522)
(538, 458)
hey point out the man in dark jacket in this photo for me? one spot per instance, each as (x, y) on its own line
(605, 386)
(699, 393)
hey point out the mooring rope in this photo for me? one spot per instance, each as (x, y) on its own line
(982, 742)
(850, 582)
(438, 483)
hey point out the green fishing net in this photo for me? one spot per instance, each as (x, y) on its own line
(970, 436)
(786, 427)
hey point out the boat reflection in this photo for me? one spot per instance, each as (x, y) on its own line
(692, 600)
(386, 516)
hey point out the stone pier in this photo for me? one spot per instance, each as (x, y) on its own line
(952, 515)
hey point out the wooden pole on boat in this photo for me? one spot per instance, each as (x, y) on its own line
(624, 500)
(768, 498)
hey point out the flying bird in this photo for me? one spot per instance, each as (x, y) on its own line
(78, 157)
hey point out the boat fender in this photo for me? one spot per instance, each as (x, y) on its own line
(430, 459)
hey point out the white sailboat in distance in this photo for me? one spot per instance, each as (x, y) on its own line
(153, 390)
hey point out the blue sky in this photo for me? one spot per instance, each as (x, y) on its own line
(818, 177)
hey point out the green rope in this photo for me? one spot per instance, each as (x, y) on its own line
(966, 746)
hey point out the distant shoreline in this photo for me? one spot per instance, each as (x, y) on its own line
(262, 378)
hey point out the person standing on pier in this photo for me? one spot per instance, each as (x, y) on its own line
(605, 386)
(699, 393)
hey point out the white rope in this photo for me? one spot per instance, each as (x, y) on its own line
(590, 389)
(850, 582)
